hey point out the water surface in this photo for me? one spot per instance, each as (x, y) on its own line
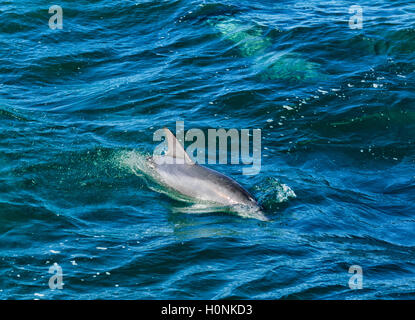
(336, 107)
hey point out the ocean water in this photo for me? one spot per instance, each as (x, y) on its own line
(335, 105)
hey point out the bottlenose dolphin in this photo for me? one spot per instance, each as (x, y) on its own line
(205, 187)
(269, 64)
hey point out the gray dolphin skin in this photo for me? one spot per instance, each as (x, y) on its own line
(176, 171)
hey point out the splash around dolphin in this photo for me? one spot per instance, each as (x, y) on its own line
(177, 176)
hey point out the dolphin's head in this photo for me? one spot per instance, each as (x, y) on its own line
(252, 210)
(260, 216)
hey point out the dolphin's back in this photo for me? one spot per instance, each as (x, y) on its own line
(202, 183)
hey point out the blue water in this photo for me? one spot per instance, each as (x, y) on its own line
(337, 112)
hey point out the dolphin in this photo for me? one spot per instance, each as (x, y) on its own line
(207, 188)
(267, 63)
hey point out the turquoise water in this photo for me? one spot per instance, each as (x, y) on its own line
(336, 107)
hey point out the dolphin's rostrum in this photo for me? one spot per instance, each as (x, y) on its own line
(205, 187)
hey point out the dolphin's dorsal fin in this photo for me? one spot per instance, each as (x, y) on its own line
(175, 149)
